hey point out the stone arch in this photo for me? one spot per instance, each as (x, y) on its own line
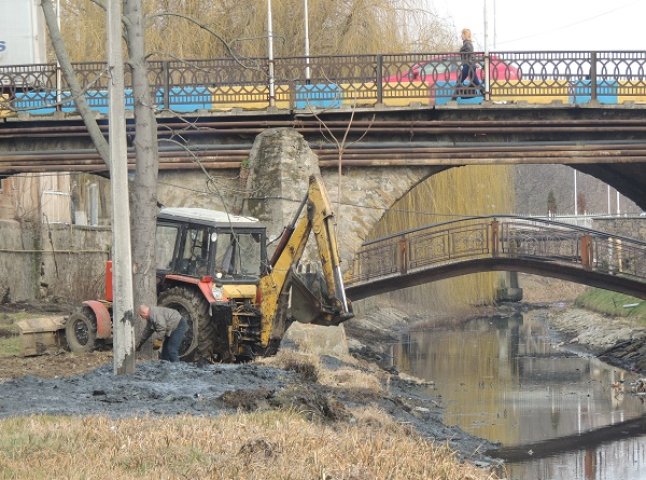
(280, 165)
(366, 194)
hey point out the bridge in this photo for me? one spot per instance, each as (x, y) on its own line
(499, 243)
(582, 109)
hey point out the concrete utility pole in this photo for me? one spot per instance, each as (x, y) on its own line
(123, 311)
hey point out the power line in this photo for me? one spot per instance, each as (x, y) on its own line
(563, 27)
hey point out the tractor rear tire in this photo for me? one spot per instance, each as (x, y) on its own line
(192, 305)
(80, 330)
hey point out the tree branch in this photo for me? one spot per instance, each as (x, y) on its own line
(203, 27)
(91, 124)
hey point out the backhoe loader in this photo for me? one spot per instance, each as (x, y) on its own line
(213, 268)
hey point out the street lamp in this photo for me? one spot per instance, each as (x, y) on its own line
(270, 55)
(307, 42)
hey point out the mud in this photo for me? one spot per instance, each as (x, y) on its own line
(617, 341)
(70, 384)
(162, 388)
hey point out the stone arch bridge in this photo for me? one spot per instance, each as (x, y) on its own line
(385, 154)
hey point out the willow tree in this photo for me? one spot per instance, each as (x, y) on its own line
(335, 27)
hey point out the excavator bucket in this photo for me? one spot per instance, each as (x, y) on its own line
(42, 335)
(310, 302)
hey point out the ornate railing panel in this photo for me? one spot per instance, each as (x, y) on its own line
(506, 237)
(335, 81)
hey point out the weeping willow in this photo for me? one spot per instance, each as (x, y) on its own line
(450, 195)
(239, 27)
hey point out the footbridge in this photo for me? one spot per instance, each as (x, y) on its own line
(499, 243)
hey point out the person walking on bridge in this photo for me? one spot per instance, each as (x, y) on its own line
(167, 327)
(468, 68)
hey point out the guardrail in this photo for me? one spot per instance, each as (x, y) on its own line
(499, 237)
(336, 81)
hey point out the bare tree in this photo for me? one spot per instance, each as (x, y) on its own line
(144, 194)
(143, 199)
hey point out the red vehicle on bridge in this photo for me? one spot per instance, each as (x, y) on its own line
(439, 76)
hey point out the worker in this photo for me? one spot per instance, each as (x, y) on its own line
(167, 327)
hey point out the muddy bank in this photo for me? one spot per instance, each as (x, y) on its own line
(68, 384)
(618, 341)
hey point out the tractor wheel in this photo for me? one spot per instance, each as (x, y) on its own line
(80, 330)
(192, 305)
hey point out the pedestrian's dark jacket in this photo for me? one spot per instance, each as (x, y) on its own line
(467, 52)
(161, 323)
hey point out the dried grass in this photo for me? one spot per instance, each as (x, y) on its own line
(267, 445)
(365, 378)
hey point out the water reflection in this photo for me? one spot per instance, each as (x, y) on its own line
(504, 379)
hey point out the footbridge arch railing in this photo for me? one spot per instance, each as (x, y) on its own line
(504, 243)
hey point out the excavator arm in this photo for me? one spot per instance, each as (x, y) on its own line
(286, 297)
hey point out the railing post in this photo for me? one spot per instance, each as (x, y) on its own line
(495, 237)
(593, 76)
(403, 255)
(380, 79)
(166, 80)
(586, 252)
(487, 77)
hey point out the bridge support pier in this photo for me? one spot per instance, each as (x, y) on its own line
(511, 292)
(280, 164)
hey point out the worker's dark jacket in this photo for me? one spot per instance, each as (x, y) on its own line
(161, 323)
(467, 52)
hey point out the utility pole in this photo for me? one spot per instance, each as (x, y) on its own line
(123, 311)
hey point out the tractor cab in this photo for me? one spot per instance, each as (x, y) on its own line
(201, 243)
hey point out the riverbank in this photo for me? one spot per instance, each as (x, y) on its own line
(342, 400)
(619, 341)
(592, 321)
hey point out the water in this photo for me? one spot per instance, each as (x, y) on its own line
(506, 380)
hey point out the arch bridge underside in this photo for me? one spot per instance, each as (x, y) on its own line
(501, 243)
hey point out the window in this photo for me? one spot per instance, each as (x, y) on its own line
(194, 259)
(166, 239)
(238, 255)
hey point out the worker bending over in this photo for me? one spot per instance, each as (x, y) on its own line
(166, 326)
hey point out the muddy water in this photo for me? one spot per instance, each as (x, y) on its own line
(507, 380)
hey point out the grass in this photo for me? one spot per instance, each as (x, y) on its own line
(612, 303)
(266, 445)
(283, 443)
(10, 346)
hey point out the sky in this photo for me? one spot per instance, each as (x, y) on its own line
(550, 24)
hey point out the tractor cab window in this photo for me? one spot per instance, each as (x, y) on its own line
(194, 257)
(165, 240)
(238, 254)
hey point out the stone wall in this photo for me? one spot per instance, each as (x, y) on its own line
(59, 262)
(633, 227)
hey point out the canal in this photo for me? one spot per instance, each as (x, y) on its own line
(507, 379)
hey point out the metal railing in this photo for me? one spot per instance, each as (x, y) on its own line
(362, 80)
(499, 237)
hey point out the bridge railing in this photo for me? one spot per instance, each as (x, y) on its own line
(335, 81)
(499, 237)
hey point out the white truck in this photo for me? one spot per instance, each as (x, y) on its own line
(23, 33)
